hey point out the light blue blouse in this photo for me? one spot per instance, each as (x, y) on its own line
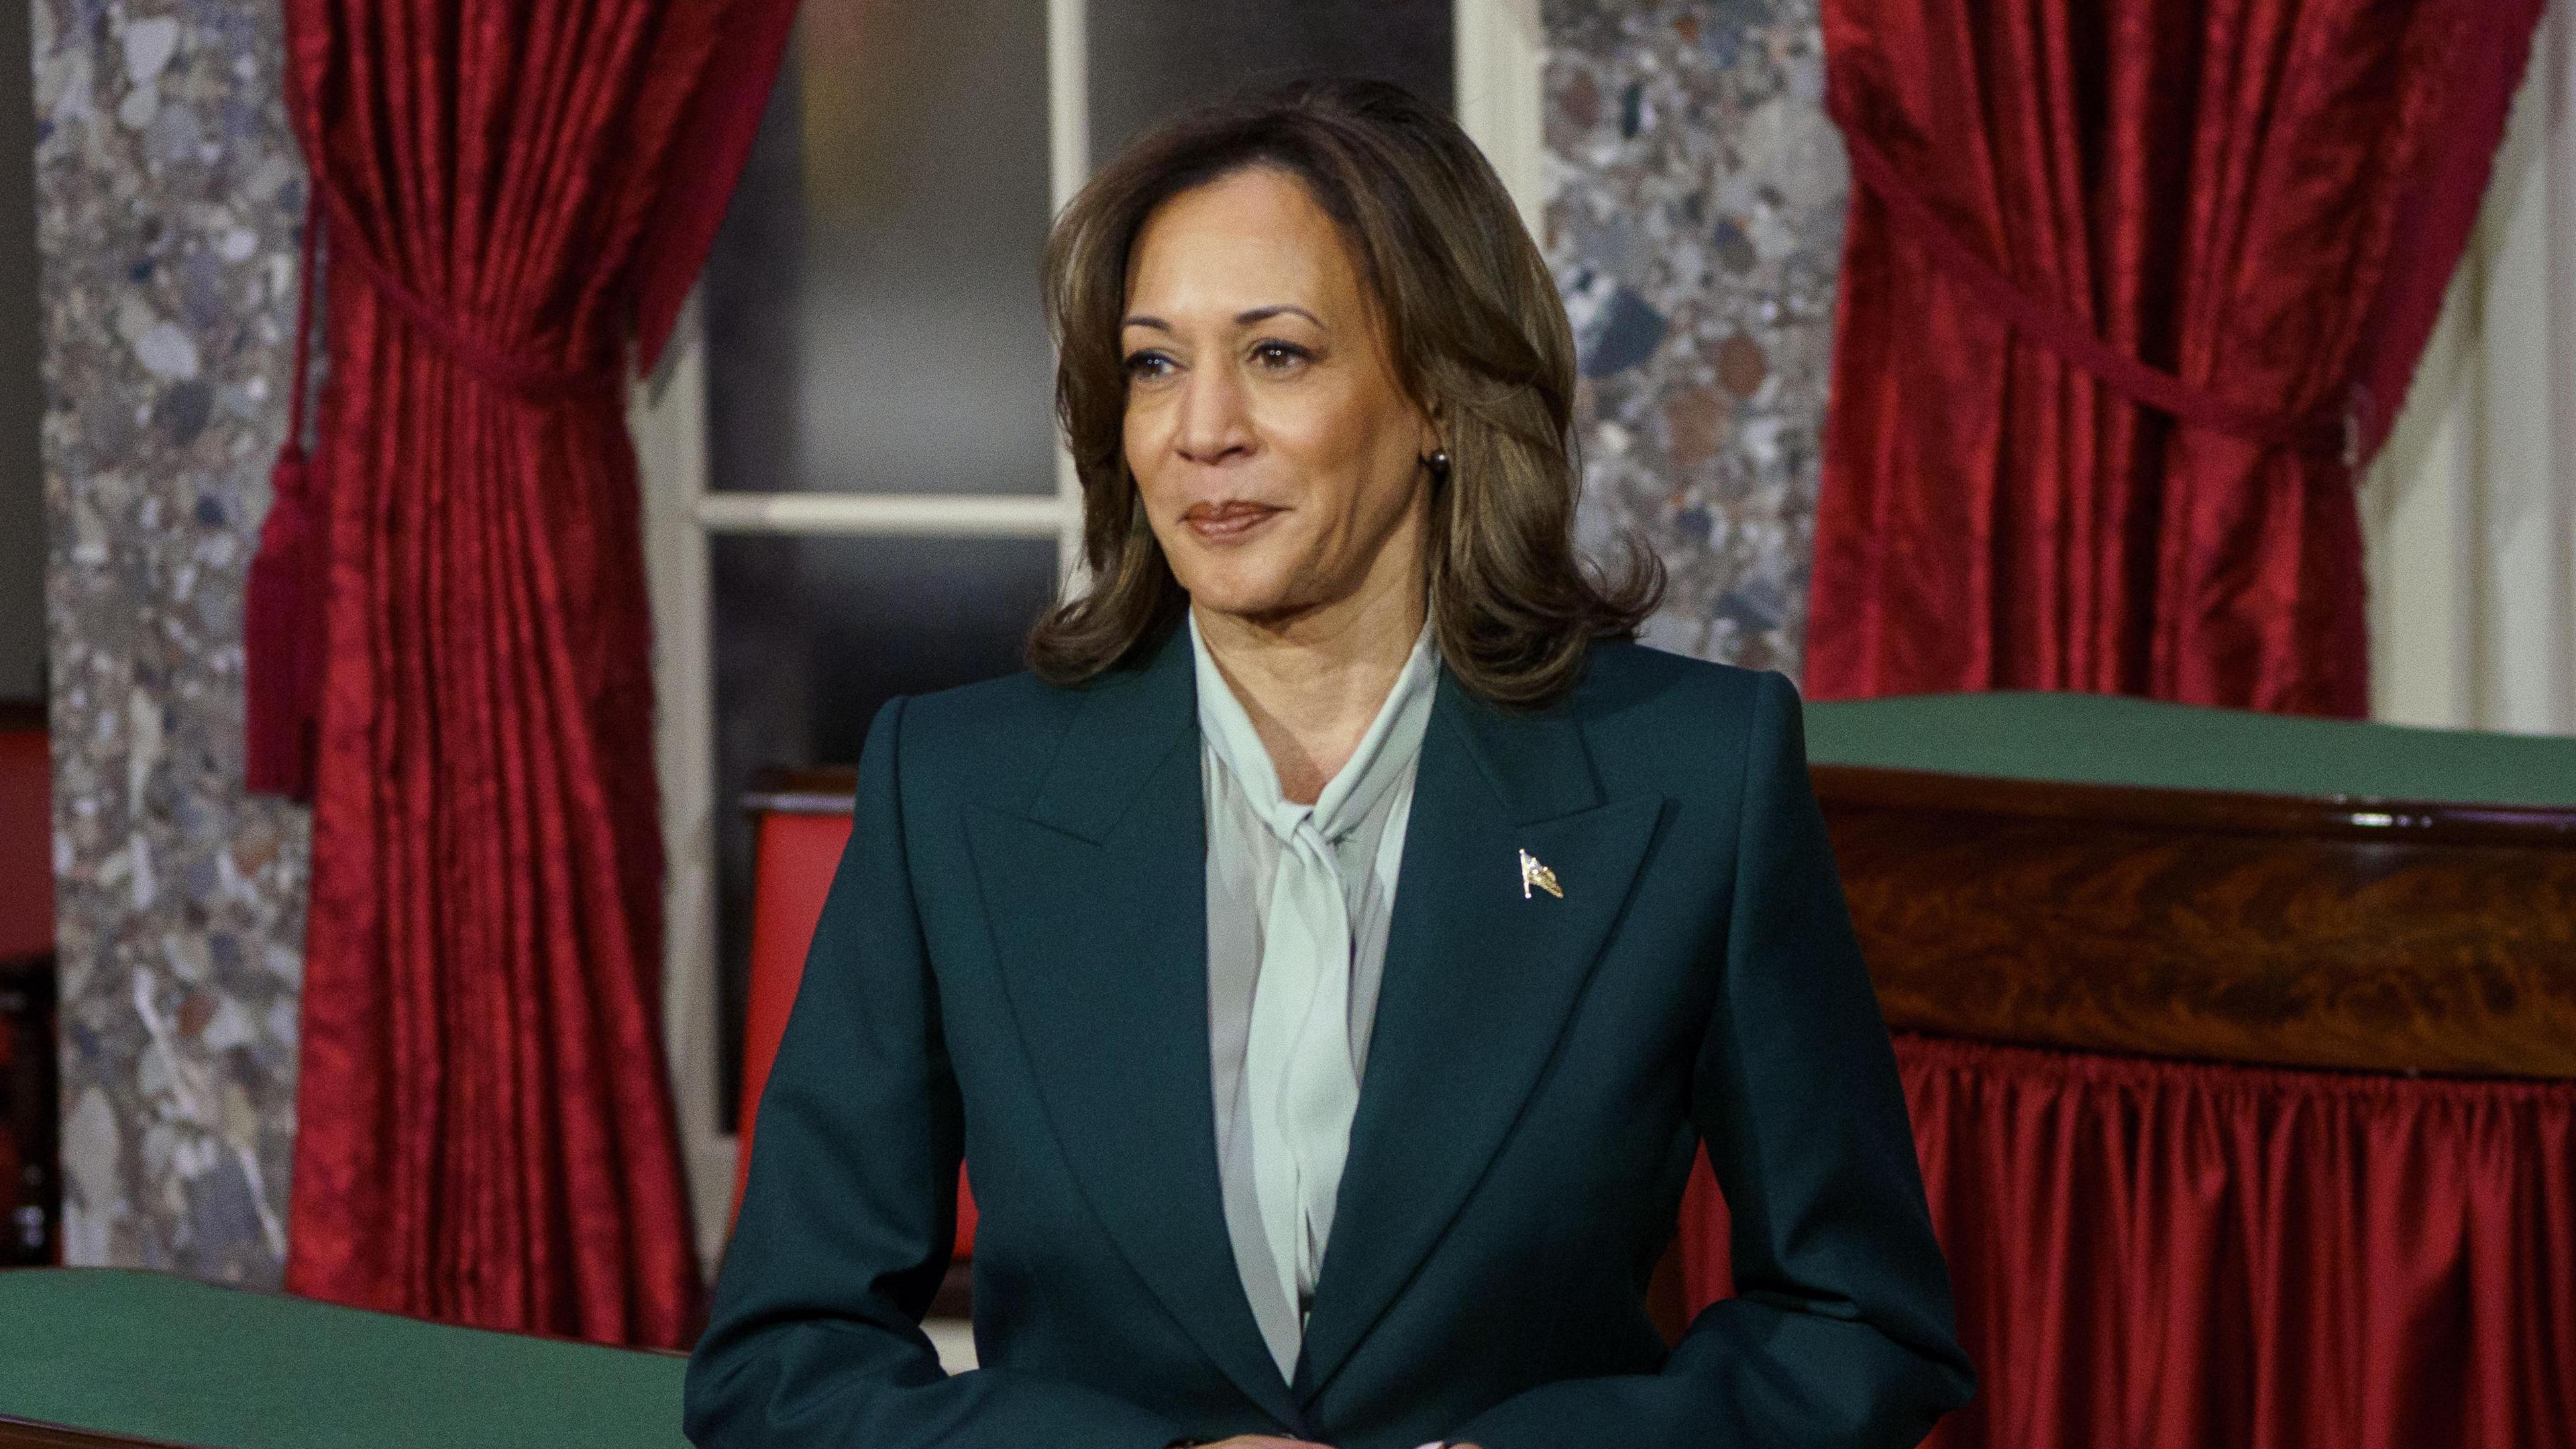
(1285, 1067)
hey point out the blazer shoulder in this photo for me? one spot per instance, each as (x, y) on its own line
(1678, 723)
(989, 741)
(1626, 682)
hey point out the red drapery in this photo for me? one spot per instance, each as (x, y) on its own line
(2127, 291)
(2160, 1255)
(449, 646)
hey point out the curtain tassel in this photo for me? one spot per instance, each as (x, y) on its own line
(282, 598)
(278, 605)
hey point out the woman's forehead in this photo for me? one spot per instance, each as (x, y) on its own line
(1247, 241)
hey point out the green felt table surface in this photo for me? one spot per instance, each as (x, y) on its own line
(2112, 740)
(158, 1357)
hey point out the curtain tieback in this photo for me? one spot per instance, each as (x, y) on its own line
(282, 598)
(2067, 335)
(537, 379)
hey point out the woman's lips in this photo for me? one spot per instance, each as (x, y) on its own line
(1229, 521)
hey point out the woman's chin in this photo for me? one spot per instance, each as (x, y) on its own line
(1256, 604)
(1245, 587)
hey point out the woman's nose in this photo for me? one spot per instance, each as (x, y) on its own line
(1215, 422)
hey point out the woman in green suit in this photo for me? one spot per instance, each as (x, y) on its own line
(1328, 958)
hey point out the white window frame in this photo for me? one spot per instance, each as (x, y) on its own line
(1499, 55)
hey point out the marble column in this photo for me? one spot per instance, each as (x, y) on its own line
(168, 193)
(1695, 227)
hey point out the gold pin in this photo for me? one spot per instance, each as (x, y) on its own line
(1535, 874)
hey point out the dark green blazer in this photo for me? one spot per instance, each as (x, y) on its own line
(1012, 962)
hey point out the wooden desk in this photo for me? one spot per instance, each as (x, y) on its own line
(2123, 876)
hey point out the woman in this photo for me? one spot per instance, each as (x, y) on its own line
(1343, 902)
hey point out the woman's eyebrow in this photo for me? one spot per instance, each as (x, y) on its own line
(1241, 319)
(1263, 314)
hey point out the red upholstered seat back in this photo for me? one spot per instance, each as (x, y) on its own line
(792, 867)
(26, 846)
(26, 934)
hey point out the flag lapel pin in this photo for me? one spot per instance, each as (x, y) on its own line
(1533, 873)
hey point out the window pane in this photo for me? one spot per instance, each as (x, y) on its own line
(872, 302)
(1150, 58)
(811, 636)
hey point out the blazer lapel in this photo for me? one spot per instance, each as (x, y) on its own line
(1481, 974)
(1098, 905)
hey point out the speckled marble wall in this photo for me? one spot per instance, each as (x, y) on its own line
(167, 194)
(1695, 226)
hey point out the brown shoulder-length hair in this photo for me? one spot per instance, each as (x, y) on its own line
(1478, 338)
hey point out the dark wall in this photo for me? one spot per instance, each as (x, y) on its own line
(1152, 57)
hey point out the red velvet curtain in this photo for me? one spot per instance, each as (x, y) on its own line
(2160, 1255)
(2128, 290)
(509, 195)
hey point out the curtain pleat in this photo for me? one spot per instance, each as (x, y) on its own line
(2171, 1255)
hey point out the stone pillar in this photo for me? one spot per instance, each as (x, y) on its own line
(168, 193)
(1696, 229)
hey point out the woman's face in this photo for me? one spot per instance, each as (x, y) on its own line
(1278, 459)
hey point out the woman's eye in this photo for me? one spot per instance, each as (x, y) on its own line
(1279, 355)
(1148, 365)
